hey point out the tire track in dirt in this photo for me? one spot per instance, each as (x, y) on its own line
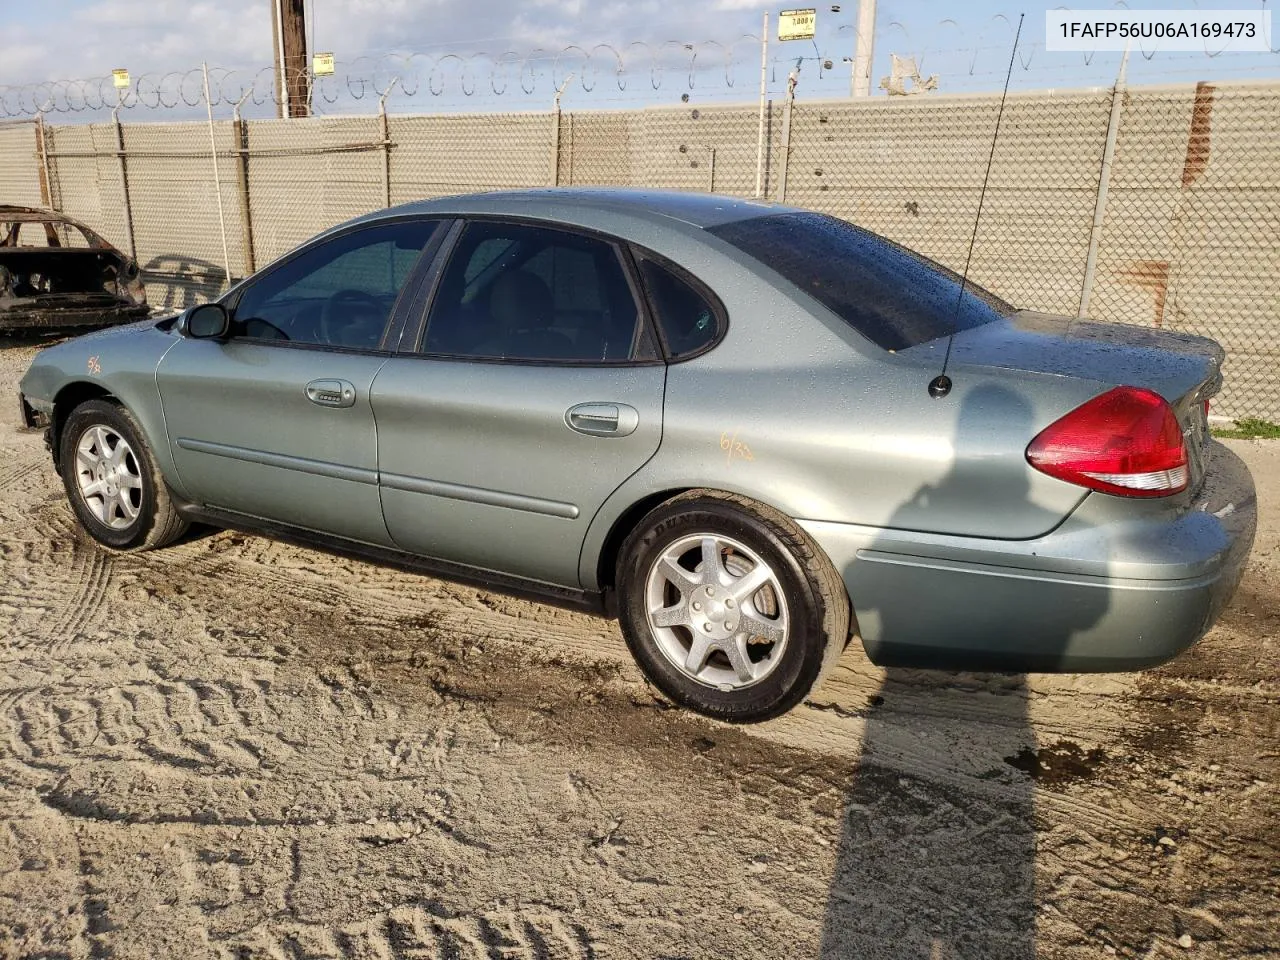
(92, 580)
(21, 482)
(358, 607)
(72, 592)
(19, 473)
(191, 725)
(361, 608)
(811, 725)
(422, 930)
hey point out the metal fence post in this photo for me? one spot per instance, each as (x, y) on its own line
(555, 134)
(786, 137)
(124, 183)
(761, 176)
(217, 180)
(384, 129)
(46, 187)
(1104, 178)
(555, 145)
(241, 135)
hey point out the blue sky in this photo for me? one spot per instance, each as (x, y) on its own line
(966, 44)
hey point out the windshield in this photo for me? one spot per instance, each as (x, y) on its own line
(894, 297)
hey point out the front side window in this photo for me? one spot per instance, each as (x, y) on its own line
(520, 292)
(339, 293)
(892, 296)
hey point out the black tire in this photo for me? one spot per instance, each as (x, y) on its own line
(157, 522)
(815, 597)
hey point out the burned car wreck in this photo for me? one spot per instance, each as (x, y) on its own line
(56, 273)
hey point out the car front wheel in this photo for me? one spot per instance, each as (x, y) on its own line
(729, 608)
(112, 481)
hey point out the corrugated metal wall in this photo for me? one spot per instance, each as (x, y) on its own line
(1190, 239)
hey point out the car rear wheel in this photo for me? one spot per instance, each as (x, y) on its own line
(729, 608)
(112, 481)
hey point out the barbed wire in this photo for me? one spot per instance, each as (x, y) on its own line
(602, 70)
(414, 75)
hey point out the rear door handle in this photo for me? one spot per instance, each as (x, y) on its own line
(603, 419)
(331, 393)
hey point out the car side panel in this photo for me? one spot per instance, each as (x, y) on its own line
(122, 361)
(799, 413)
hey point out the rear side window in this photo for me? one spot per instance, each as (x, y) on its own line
(892, 296)
(687, 318)
(516, 291)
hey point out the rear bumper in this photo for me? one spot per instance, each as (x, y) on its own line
(71, 317)
(1118, 586)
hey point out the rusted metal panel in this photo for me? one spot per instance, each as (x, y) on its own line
(1199, 139)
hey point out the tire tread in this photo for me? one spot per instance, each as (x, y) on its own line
(166, 523)
(824, 580)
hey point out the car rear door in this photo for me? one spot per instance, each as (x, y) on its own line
(275, 422)
(534, 392)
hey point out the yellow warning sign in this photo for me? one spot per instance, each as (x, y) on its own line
(120, 77)
(322, 64)
(797, 24)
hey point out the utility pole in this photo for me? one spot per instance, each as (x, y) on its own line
(277, 61)
(862, 51)
(289, 40)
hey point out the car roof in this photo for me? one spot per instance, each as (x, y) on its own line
(11, 213)
(577, 204)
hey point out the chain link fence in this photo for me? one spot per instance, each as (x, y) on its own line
(1157, 206)
(19, 163)
(1191, 238)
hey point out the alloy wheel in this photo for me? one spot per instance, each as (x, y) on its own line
(717, 611)
(109, 477)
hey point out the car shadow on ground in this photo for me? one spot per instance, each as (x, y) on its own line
(175, 282)
(937, 852)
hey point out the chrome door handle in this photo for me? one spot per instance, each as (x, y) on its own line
(602, 419)
(331, 393)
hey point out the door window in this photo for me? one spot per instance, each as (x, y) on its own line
(521, 292)
(339, 293)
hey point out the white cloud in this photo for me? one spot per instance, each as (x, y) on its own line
(149, 36)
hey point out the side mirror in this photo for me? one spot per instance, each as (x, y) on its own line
(209, 321)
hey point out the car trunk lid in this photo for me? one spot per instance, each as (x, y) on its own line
(1184, 369)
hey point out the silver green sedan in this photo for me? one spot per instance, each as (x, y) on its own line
(749, 431)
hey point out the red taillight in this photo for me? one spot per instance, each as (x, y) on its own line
(1126, 441)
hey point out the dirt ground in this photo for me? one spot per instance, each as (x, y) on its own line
(236, 748)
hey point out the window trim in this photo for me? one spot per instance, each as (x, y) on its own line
(395, 319)
(697, 284)
(411, 345)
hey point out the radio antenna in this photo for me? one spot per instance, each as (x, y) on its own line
(940, 385)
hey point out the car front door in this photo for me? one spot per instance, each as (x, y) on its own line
(275, 421)
(535, 391)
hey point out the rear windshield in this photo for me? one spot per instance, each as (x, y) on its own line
(892, 296)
